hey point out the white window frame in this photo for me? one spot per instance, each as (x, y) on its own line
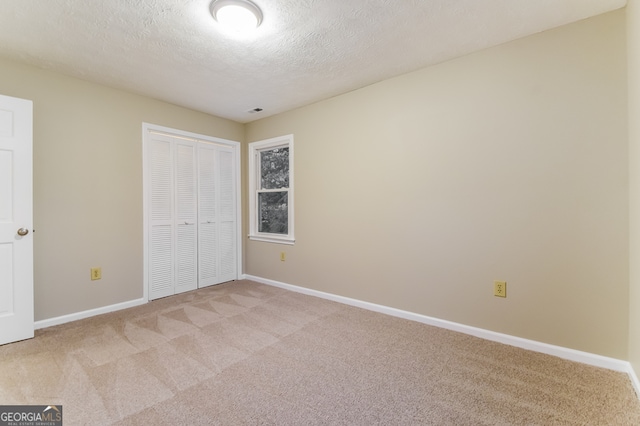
(254, 185)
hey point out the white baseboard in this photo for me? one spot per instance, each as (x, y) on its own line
(532, 345)
(86, 314)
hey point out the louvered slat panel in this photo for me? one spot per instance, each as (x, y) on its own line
(161, 180)
(160, 262)
(227, 188)
(186, 196)
(208, 253)
(227, 250)
(207, 182)
(186, 258)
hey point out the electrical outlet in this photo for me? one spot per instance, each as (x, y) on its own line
(500, 288)
(283, 256)
(96, 274)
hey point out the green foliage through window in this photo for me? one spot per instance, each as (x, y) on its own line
(273, 213)
(274, 168)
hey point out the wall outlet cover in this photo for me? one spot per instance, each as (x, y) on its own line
(96, 274)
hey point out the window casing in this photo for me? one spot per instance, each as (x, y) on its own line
(271, 190)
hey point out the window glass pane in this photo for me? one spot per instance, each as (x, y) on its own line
(274, 168)
(273, 212)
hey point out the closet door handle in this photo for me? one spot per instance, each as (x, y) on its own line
(23, 231)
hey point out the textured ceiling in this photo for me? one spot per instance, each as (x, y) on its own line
(304, 51)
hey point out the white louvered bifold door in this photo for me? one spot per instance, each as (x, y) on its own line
(227, 222)
(191, 213)
(208, 231)
(186, 217)
(217, 214)
(161, 216)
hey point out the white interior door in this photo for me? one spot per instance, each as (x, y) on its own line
(227, 214)
(160, 245)
(186, 215)
(218, 216)
(207, 216)
(16, 220)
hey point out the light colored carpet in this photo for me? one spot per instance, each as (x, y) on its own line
(245, 353)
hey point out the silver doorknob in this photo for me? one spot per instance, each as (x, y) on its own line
(23, 231)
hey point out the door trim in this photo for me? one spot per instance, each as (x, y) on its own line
(147, 129)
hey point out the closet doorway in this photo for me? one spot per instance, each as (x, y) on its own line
(191, 189)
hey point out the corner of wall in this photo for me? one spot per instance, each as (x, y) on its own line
(633, 90)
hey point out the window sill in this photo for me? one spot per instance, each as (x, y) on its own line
(276, 240)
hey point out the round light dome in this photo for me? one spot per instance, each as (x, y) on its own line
(236, 15)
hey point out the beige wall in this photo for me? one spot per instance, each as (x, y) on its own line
(88, 184)
(509, 164)
(633, 57)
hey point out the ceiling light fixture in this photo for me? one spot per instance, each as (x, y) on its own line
(236, 15)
